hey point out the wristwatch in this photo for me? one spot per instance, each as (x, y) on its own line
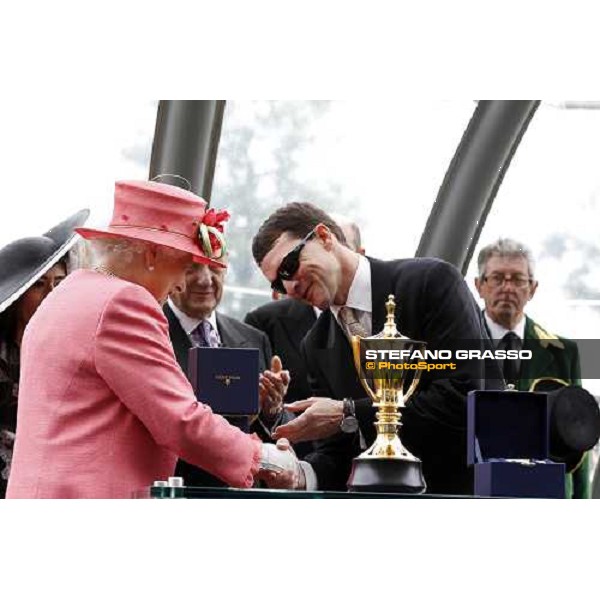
(349, 422)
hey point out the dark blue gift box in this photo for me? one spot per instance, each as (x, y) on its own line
(508, 445)
(226, 379)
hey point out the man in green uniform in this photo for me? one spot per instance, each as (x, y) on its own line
(506, 283)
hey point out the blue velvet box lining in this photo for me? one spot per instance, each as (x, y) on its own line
(507, 425)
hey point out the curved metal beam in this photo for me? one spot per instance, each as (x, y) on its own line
(185, 143)
(473, 178)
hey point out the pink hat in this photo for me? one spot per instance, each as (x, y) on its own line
(167, 216)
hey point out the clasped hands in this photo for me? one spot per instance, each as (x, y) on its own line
(320, 419)
(280, 467)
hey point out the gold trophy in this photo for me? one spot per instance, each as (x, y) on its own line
(387, 466)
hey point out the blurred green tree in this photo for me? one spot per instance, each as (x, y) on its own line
(259, 169)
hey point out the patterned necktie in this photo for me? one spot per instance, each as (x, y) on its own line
(349, 318)
(204, 336)
(510, 366)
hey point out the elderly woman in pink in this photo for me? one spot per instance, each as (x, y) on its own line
(104, 409)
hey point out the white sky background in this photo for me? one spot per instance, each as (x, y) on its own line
(59, 156)
(392, 157)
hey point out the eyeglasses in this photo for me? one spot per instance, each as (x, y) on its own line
(289, 265)
(497, 280)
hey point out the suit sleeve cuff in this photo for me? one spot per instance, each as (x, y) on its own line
(365, 413)
(310, 476)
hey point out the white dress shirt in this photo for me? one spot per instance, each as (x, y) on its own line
(497, 332)
(360, 299)
(188, 324)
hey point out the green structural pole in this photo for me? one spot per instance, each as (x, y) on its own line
(186, 140)
(473, 178)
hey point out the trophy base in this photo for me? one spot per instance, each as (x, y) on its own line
(390, 475)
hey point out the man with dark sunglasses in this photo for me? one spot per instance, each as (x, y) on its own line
(286, 321)
(289, 265)
(298, 249)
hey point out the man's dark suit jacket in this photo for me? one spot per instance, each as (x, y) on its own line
(433, 305)
(233, 334)
(286, 322)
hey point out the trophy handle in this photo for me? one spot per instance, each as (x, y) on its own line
(355, 342)
(412, 387)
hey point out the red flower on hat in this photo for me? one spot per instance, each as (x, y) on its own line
(214, 218)
(210, 232)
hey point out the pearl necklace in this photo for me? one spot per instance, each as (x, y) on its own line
(105, 271)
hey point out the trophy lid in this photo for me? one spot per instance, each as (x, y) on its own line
(390, 330)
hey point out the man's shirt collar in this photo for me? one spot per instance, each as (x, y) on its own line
(188, 323)
(497, 332)
(360, 293)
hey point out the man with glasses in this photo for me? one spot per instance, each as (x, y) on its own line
(506, 284)
(298, 249)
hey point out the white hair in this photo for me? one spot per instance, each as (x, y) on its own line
(79, 256)
(125, 250)
(505, 248)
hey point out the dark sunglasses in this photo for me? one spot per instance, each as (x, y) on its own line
(289, 265)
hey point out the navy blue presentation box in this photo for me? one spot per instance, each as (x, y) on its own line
(508, 445)
(226, 379)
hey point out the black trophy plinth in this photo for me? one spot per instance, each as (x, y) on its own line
(391, 475)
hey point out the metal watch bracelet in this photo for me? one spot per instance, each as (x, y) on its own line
(349, 422)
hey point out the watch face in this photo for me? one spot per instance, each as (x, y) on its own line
(349, 424)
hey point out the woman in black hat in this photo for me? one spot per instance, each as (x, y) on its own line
(30, 268)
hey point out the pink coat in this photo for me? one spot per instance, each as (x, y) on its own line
(104, 409)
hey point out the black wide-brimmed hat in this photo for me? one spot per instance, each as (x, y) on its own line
(574, 420)
(24, 261)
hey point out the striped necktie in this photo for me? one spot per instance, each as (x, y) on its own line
(204, 336)
(351, 322)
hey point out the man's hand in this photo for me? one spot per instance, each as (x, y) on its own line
(320, 419)
(272, 386)
(280, 468)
